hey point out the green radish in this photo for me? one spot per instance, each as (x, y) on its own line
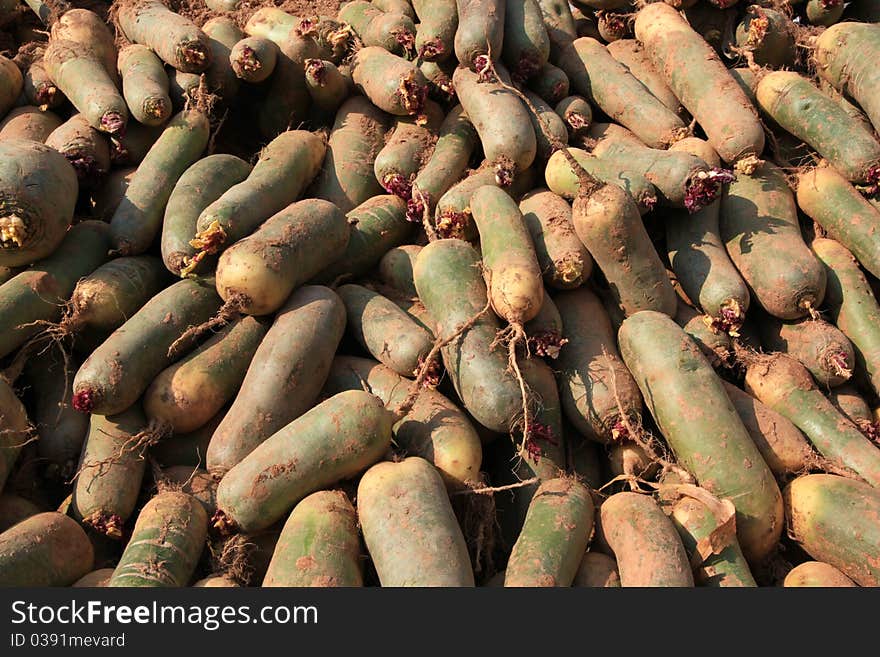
(38, 294)
(28, 122)
(827, 198)
(480, 32)
(138, 219)
(61, 428)
(597, 570)
(77, 71)
(842, 55)
(335, 440)
(708, 533)
(516, 289)
(259, 272)
(526, 44)
(562, 179)
(131, 148)
(294, 155)
(645, 544)
(834, 519)
(760, 229)
(852, 306)
(174, 38)
(695, 415)
(295, 356)
(848, 400)
(542, 448)
(39, 89)
(855, 113)
(700, 148)
(48, 549)
(384, 330)
(183, 88)
(554, 536)
(558, 20)
(193, 481)
(87, 28)
(14, 509)
(378, 225)
(187, 449)
(820, 347)
(406, 149)
(439, 77)
(286, 102)
(165, 545)
(17, 429)
(397, 266)
(786, 386)
(550, 129)
(818, 574)
(629, 459)
(550, 83)
(435, 428)
(144, 85)
(546, 332)
(392, 32)
(116, 373)
(319, 545)
(456, 141)
(608, 223)
(563, 259)
(391, 83)
(396, 7)
(597, 75)
(577, 115)
(769, 36)
(223, 33)
(435, 33)
(409, 528)
(783, 447)
(704, 269)
(190, 392)
(87, 150)
(800, 108)
(824, 12)
(111, 470)
(104, 300)
(632, 55)
(272, 24)
(326, 85)
(598, 394)
(747, 80)
(700, 81)
(510, 145)
(683, 180)
(200, 185)
(38, 190)
(450, 284)
(452, 214)
(612, 26)
(253, 59)
(346, 176)
(11, 84)
(715, 344)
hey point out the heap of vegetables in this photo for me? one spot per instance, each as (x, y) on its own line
(446, 293)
